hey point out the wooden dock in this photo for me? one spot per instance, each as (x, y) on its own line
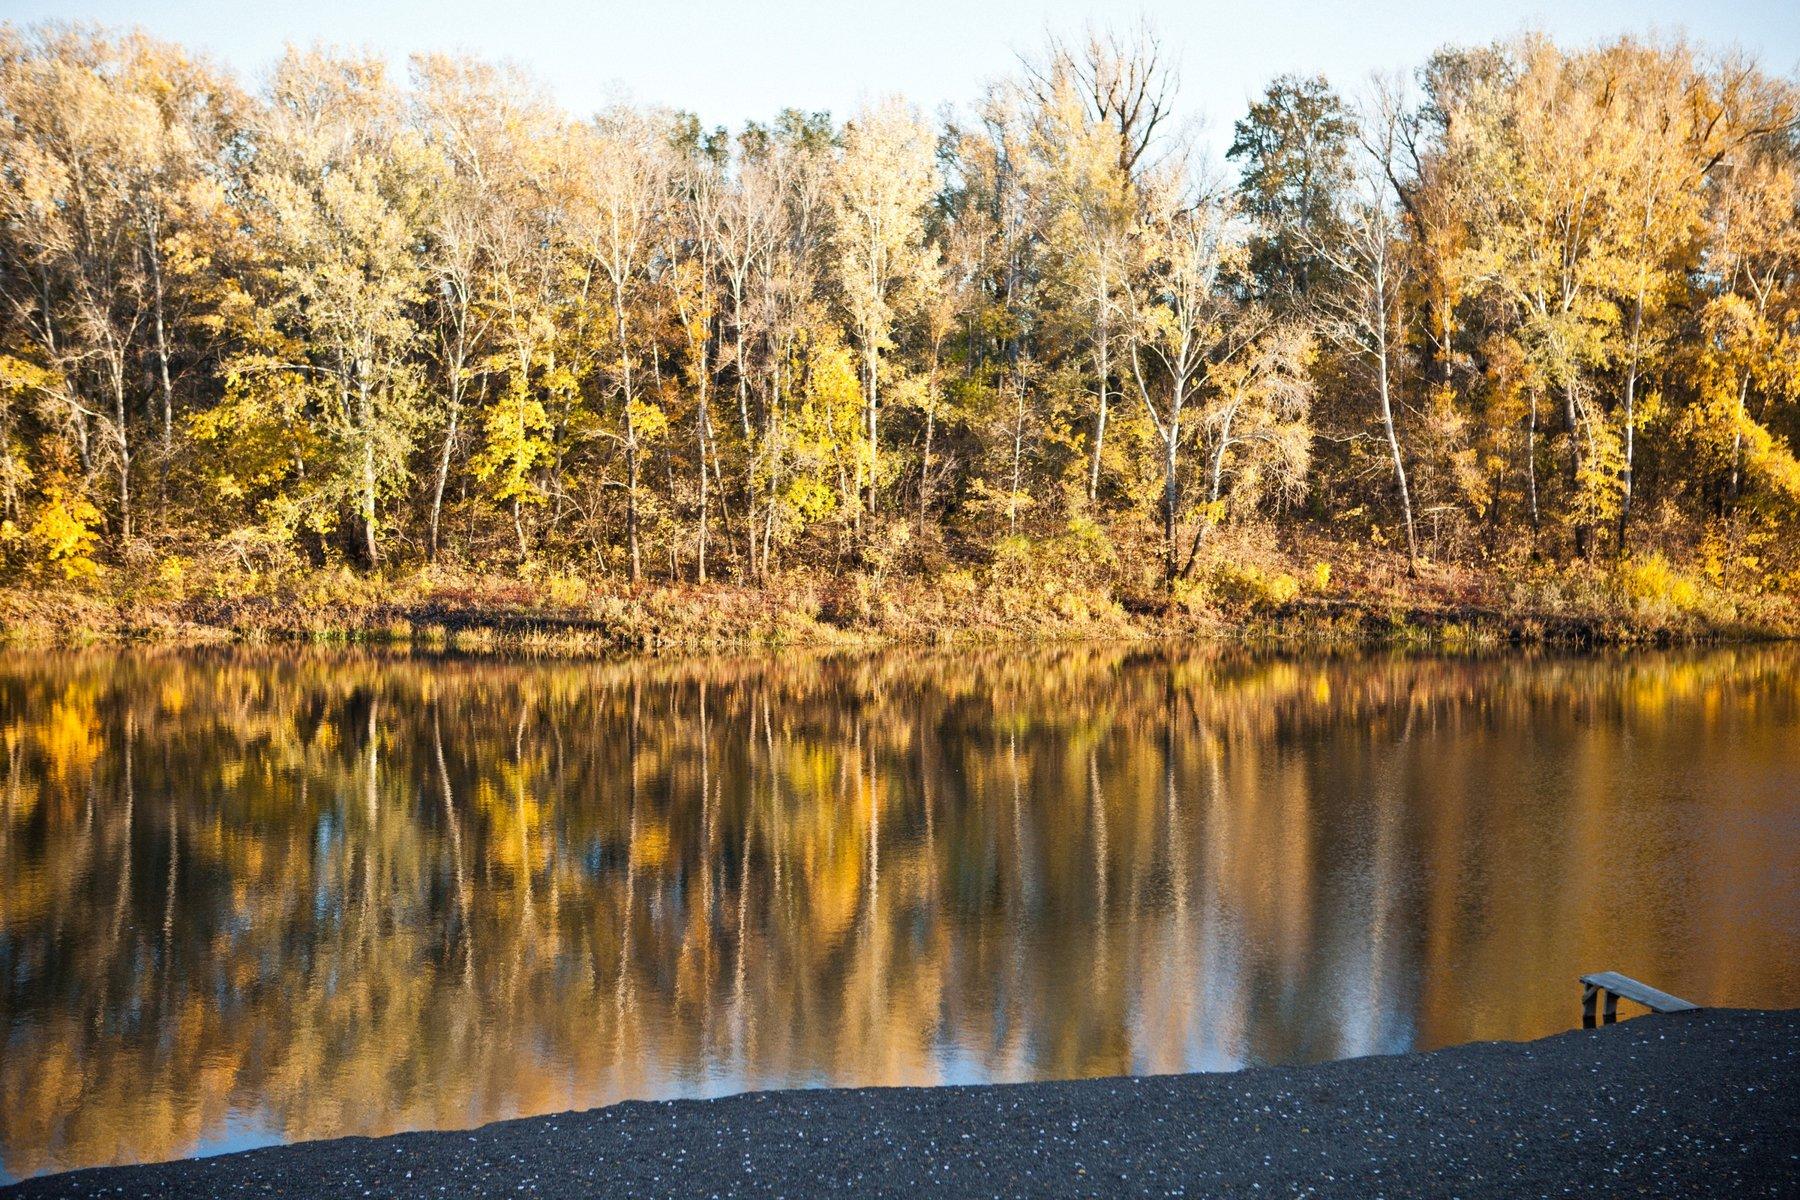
(1613, 985)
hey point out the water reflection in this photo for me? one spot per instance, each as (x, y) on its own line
(262, 895)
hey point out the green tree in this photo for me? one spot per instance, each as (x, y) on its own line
(1293, 149)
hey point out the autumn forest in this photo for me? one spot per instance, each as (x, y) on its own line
(1522, 326)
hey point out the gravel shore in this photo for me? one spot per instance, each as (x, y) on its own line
(1692, 1104)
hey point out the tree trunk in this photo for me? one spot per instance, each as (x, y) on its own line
(1531, 460)
(443, 471)
(124, 444)
(1100, 412)
(700, 531)
(1626, 480)
(1572, 421)
(1743, 402)
(743, 380)
(743, 393)
(1218, 463)
(1393, 440)
(1012, 495)
(925, 465)
(368, 492)
(631, 502)
(1737, 439)
(1171, 496)
(162, 347)
(632, 465)
(874, 366)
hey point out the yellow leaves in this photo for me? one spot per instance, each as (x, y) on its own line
(1742, 357)
(560, 379)
(63, 535)
(515, 441)
(1654, 588)
(1086, 540)
(1744, 557)
(1713, 553)
(1728, 318)
(1246, 585)
(1600, 474)
(833, 390)
(645, 420)
(19, 377)
(1212, 512)
(566, 591)
(694, 300)
(1190, 595)
(913, 390)
(1769, 461)
(809, 498)
(258, 444)
(1583, 175)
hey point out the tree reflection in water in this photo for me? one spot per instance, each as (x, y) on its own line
(307, 894)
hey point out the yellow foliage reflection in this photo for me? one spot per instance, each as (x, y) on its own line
(290, 894)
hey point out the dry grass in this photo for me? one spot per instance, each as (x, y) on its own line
(1311, 589)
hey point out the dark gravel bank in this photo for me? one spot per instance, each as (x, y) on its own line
(1694, 1104)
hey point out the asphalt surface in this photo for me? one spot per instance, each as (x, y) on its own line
(1691, 1104)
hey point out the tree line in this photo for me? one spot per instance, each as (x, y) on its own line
(1527, 301)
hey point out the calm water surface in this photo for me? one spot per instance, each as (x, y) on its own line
(258, 896)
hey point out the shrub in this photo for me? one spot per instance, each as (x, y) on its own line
(1189, 595)
(1246, 585)
(1651, 587)
(565, 590)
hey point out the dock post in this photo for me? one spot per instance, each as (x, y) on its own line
(1615, 985)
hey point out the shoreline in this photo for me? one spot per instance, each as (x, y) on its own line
(1696, 1103)
(678, 619)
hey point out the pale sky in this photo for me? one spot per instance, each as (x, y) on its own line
(732, 60)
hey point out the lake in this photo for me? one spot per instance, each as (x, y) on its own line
(260, 895)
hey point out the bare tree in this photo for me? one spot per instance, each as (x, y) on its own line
(473, 113)
(625, 189)
(749, 227)
(693, 251)
(1125, 80)
(1180, 318)
(885, 178)
(1363, 312)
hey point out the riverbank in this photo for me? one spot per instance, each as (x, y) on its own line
(1370, 601)
(1695, 1104)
